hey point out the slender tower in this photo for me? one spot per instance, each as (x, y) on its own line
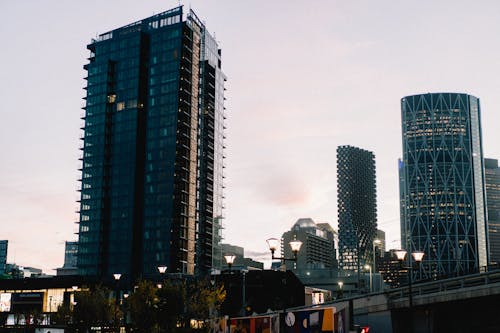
(357, 207)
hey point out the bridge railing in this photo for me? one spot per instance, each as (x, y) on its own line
(466, 281)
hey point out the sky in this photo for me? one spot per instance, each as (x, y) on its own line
(303, 78)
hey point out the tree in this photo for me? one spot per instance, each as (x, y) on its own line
(171, 304)
(95, 308)
(203, 300)
(143, 307)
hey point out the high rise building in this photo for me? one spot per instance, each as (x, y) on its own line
(4, 244)
(70, 259)
(442, 183)
(357, 207)
(152, 164)
(318, 246)
(379, 241)
(492, 184)
(393, 272)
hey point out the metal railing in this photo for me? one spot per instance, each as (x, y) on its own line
(460, 282)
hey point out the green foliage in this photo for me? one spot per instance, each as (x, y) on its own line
(204, 299)
(94, 307)
(174, 304)
(172, 297)
(143, 306)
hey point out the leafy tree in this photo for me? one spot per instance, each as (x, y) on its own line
(176, 302)
(95, 308)
(171, 304)
(203, 301)
(143, 307)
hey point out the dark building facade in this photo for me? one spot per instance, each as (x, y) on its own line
(442, 184)
(257, 291)
(393, 272)
(357, 206)
(4, 244)
(152, 164)
(70, 259)
(492, 184)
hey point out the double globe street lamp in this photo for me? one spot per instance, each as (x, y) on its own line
(274, 243)
(417, 257)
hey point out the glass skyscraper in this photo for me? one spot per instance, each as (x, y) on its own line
(357, 207)
(4, 244)
(492, 183)
(442, 184)
(152, 163)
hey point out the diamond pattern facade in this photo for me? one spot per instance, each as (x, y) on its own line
(442, 184)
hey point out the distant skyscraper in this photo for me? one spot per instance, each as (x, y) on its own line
(492, 183)
(70, 259)
(380, 241)
(318, 246)
(70, 253)
(152, 173)
(4, 244)
(442, 183)
(357, 206)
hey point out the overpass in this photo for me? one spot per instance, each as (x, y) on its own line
(462, 304)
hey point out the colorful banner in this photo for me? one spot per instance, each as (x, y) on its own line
(310, 321)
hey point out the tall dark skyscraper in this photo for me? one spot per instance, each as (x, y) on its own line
(492, 183)
(4, 244)
(152, 164)
(357, 206)
(442, 183)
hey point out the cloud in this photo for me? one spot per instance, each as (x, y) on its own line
(257, 254)
(281, 187)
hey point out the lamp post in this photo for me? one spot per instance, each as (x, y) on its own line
(340, 292)
(375, 241)
(417, 256)
(162, 269)
(273, 244)
(295, 245)
(374, 268)
(117, 277)
(368, 267)
(229, 260)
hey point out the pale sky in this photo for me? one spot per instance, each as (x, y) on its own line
(303, 78)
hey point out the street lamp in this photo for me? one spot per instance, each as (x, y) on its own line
(340, 292)
(117, 277)
(229, 260)
(368, 267)
(375, 241)
(162, 269)
(417, 256)
(273, 244)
